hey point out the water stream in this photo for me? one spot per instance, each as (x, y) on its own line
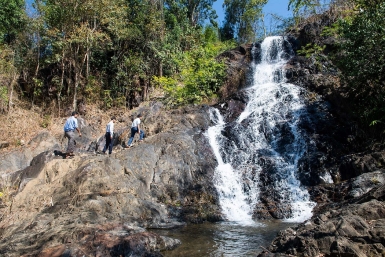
(265, 141)
(265, 138)
(222, 239)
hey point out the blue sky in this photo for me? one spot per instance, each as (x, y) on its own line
(278, 7)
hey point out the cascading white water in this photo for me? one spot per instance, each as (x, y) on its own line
(265, 138)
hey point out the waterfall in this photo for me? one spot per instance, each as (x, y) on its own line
(263, 146)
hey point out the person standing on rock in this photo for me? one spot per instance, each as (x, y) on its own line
(135, 128)
(69, 128)
(109, 135)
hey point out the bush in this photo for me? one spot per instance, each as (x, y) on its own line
(199, 78)
(361, 59)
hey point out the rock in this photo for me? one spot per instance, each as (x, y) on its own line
(356, 164)
(4, 144)
(353, 229)
(91, 199)
(21, 158)
(237, 61)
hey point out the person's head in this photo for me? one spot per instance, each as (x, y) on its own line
(113, 118)
(139, 115)
(74, 113)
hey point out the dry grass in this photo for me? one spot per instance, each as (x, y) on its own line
(337, 10)
(19, 125)
(22, 124)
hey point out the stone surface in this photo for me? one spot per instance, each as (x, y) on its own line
(70, 206)
(21, 158)
(4, 144)
(353, 228)
(238, 70)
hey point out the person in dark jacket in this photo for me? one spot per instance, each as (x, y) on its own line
(109, 135)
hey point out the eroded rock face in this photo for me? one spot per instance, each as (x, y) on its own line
(354, 229)
(90, 203)
(238, 66)
(21, 158)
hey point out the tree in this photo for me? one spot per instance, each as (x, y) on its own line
(361, 58)
(297, 5)
(196, 11)
(242, 18)
(11, 19)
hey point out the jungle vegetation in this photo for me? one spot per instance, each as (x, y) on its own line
(117, 53)
(55, 53)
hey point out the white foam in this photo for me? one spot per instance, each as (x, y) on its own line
(273, 103)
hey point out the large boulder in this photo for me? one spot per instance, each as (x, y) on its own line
(64, 205)
(237, 62)
(22, 157)
(353, 227)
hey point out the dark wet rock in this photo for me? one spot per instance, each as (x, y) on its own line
(329, 194)
(357, 164)
(232, 107)
(238, 69)
(353, 229)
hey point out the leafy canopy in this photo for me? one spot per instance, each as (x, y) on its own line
(12, 19)
(362, 57)
(242, 19)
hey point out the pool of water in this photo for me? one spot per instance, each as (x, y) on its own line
(223, 239)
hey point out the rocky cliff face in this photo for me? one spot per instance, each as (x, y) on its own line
(100, 205)
(348, 220)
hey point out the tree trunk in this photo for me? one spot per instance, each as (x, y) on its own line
(61, 84)
(74, 105)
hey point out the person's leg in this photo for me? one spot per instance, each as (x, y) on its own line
(133, 131)
(141, 135)
(110, 145)
(71, 143)
(108, 141)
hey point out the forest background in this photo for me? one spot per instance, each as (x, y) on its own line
(116, 54)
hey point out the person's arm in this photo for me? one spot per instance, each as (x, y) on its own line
(77, 127)
(112, 129)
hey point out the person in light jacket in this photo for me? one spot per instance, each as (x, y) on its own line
(109, 135)
(69, 128)
(135, 128)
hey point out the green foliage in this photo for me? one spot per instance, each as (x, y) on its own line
(92, 89)
(200, 75)
(197, 11)
(46, 121)
(297, 5)
(242, 18)
(361, 58)
(107, 99)
(38, 87)
(331, 31)
(311, 49)
(11, 19)
(107, 51)
(8, 73)
(4, 95)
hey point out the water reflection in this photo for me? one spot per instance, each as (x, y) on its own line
(225, 239)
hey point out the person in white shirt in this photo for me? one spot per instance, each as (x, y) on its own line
(109, 135)
(135, 128)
